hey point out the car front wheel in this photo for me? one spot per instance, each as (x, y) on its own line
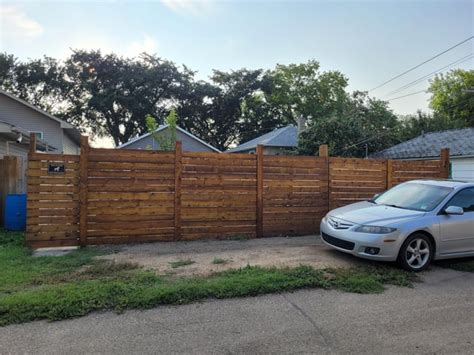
(416, 253)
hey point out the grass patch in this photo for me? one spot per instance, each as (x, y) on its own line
(180, 263)
(76, 284)
(464, 264)
(220, 261)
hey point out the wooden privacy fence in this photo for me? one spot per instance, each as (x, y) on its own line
(124, 196)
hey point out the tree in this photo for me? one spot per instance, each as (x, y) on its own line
(110, 95)
(212, 110)
(40, 82)
(363, 120)
(302, 90)
(453, 97)
(167, 139)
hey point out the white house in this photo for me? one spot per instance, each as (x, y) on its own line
(428, 146)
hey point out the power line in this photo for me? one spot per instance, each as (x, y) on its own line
(401, 97)
(414, 82)
(369, 139)
(424, 62)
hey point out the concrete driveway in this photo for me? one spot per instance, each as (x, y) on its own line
(435, 317)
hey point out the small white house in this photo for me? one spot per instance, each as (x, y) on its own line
(428, 146)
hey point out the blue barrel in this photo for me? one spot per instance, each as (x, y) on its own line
(15, 212)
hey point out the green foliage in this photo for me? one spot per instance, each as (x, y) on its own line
(109, 95)
(363, 120)
(76, 284)
(465, 264)
(453, 96)
(20, 269)
(180, 263)
(220, 261)
(165, 139)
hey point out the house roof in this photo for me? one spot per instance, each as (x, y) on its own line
(69, 129)
(163, 127)
(286, 137)
(459, 141)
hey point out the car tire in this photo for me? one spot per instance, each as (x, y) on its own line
(416, 253)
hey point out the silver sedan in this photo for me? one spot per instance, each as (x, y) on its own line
(412, 223)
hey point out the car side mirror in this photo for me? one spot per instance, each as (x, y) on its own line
(375, 196)
(454, 210)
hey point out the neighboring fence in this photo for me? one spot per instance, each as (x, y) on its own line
(12, 179)
(123, 196)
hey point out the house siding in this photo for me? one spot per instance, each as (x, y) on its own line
(266, 151)
(69, 146)
(14, 148)
(462, 169)
(17, 114)
(189, 144)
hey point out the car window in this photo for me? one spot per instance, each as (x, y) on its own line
(414, 196)
(464, 199)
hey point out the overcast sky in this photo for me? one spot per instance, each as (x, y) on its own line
(368, 41)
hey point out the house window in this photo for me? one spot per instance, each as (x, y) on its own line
(39, 134)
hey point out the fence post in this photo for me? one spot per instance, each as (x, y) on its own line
(83, 172)
(444, 163)
(389, 173)
(178, 169)
(259, 191)
(324, 153)
(33, 143)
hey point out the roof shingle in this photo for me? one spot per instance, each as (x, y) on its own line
(280, 137)
(459, 141)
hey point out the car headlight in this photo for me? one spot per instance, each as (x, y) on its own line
(375, 229)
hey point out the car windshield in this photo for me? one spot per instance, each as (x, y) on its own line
(414, 196)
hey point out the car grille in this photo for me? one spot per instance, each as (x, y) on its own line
(338, 242)
(339, 223)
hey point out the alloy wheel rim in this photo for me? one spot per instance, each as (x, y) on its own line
(417, 253)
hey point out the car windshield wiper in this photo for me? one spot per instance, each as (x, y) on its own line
(390, 205)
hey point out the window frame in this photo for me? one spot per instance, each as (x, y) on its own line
(442, 210)
(39, 134)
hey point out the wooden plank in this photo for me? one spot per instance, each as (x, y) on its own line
(83, 173)
(444, 164)
(219, 156)
(139, 158)
(53, 157)
(323, 151)
(53, 188)
(48, 196)
(35, 244)
(259, 214)
(178, 154)
(52, 204)
(129, 196)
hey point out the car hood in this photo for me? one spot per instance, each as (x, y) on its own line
(369, 213)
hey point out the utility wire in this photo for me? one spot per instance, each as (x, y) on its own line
(414, 82)
(422, 63)
(401, 97)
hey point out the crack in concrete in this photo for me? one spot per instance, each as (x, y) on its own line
(309, 319)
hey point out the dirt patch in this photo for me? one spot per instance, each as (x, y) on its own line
(206, 257)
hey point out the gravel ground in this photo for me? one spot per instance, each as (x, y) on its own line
(280, 252)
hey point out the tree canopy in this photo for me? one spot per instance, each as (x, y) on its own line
(111, 95)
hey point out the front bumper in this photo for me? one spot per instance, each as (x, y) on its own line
(355, 243)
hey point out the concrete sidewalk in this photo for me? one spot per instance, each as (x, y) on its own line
(436, 316)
